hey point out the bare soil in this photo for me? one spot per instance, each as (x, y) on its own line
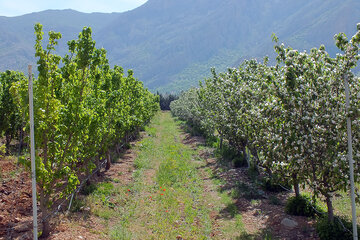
(15, 201)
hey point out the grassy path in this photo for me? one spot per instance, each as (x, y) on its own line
(167, 194)
(167, 188)
(166, 191)
(172, 195)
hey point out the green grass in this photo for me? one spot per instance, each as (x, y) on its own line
(120, 233)
(166, 198)
(174, 202)
(231, 225)
(341, 204)
(145, 146)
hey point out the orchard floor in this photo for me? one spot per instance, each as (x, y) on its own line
(169, 185)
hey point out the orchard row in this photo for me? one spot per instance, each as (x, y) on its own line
(83, 109)
(289, 119)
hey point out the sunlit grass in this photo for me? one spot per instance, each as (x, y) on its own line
(166, 199)
(341, 204)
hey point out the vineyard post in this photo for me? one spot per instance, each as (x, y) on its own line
(350, 157)
(32, 151)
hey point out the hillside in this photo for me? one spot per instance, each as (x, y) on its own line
(18, 39)
(172, 44)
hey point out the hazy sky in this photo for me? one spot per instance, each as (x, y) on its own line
(19, 7)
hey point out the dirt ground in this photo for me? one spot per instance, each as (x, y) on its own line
(15, 201)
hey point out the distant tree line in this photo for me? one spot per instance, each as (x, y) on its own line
(166, 99)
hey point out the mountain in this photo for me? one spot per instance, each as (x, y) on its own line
(171, 44)
(17, 39)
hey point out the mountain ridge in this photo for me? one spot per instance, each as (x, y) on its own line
(171, 45)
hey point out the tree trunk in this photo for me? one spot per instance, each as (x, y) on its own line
(21, 140)
(221, 142)
(118, 149)
(126, 138)
(296, 186)
(88, 182)
(246, 157)
(296, 189)
(255, 157)
(108, 162)
(44, 213)
(97, 163)
(330, 208)
(7, 143)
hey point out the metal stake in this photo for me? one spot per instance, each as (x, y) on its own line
(32, 150)
(350, 157)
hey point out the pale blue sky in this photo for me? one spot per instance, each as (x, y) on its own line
(19, 7)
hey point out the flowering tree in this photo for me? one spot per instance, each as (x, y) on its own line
(292, 116)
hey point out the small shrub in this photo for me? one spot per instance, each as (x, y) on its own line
(77, 205)
(88, 189)
(115, 180)
(274, 200)
(269, 185)
(300, 206)
(24, 161)
(127, 146)
(232, 209)
(272, 185)
(239, 162)
(2, 150)
(212, 141)
(194, 129)
(228, 154)
(253, 173)
(334, 231)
